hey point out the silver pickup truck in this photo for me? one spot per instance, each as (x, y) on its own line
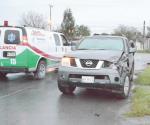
(99, 62)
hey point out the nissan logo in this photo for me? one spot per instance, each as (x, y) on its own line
(88, 63)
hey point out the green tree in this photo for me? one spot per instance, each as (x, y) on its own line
(68, 24)
(82, 31)
(105, 34)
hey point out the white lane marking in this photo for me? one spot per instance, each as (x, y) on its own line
(13, 93)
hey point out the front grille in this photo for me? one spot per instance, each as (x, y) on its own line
(79, 76)
(75, 76)
(89, 63)
(102, 77)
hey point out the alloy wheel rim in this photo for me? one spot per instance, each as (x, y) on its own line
(42, 70)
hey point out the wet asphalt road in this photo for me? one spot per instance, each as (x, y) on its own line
(24, 101)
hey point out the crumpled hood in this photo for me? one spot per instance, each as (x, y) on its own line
(108, 55)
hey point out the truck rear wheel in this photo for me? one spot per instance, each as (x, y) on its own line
(40, 71)
(2, 75)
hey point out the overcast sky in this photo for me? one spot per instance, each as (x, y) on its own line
(99, 15)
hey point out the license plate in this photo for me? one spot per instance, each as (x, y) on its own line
(87, 79)
(11, 54)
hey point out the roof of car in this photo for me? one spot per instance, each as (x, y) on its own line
(107, 36)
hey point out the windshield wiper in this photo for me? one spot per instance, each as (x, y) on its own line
(91, 49)
(83, 49)
(101, 49)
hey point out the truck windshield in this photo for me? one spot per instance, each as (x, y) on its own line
(12, 37)
(101, 43)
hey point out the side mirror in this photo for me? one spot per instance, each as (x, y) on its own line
(73, 48)
(69, 43)
(132, 47)
(132, 50)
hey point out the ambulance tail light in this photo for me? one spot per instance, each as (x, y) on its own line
(24, 39)
(5, 23)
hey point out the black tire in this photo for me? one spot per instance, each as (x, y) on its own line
(132, 73)
(66, 89)
(2, 75)
(126, 87)
(56, 70)
(40, 71)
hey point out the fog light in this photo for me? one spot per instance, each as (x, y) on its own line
(105, 78)
(116, 79)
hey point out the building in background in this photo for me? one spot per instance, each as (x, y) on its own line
(147, 44)
(139, 45)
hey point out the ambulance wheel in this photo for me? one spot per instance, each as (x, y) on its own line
(2, 75)
(40, 71)
(56, 70)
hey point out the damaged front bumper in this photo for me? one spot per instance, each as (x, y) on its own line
(103, 78)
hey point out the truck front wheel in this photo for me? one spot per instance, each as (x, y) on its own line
(66, 89)
(126, 87)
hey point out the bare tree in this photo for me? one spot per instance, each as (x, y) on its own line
(130, 32)
(33, 19)
(148, 32)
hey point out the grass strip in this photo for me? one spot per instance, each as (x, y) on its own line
(144, 77)
(140, 102)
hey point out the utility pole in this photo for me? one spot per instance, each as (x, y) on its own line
(143, 34)
(50, 8)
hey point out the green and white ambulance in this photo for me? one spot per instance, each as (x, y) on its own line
(26, 49)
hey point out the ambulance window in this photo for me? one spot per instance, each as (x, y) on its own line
(57, 40)
(64, 40)
(12, 37)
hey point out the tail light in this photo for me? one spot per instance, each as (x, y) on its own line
(5, 23)
(24, 39)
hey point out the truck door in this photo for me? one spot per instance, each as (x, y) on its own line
(58, 47)
(130, 55)
(66, 45)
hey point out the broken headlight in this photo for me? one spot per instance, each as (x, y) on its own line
(110, 65)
